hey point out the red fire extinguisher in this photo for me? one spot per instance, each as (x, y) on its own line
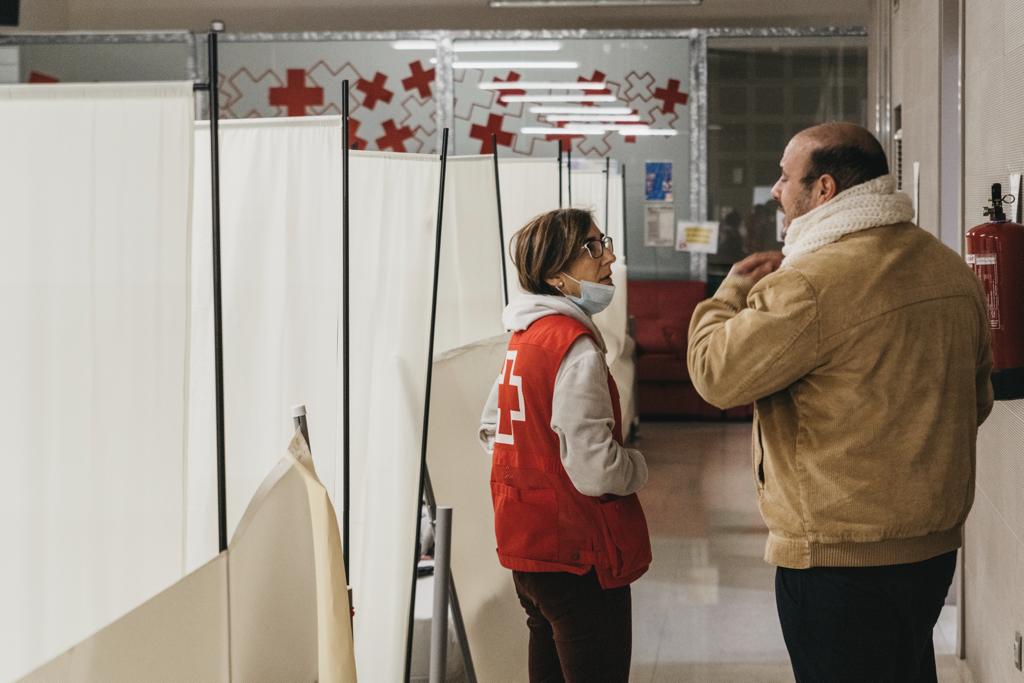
(995, 250)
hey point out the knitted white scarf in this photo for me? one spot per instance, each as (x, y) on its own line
(868, 205)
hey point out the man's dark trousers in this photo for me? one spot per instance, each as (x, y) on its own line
(863, 624)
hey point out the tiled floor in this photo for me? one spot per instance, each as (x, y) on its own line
(706, 610)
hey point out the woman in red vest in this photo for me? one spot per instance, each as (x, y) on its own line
(566, 516)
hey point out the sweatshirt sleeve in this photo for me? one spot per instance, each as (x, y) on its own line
(750, 341)
(582, 416)
(489, 419)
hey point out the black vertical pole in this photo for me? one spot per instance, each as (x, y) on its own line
(559, 173)
(501, 222)
(607, 186)
(568, 170)
(426, 405)
(625, 226)
(218, 326)
(345, 383)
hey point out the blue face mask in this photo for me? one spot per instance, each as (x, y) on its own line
(594, 297)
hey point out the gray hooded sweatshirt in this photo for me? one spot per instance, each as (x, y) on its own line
(581, 412)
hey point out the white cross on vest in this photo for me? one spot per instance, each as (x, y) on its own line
(510, 395)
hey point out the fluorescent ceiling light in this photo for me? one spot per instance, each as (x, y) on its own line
(629, 131)
(579, 110)
(559, 98)
(414, 45)
(507, 46)
(568, 130)
(593, 118)
(515, 65)
(590, 3)
(543, 85)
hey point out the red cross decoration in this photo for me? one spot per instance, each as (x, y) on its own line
(39, 77)
(511, 406)
(419, 79)
(354, 140)
(598, 77)
(296, 96)
(512, 78)
(671, 96)
(374, 91)
(394, 137)
(493, 127)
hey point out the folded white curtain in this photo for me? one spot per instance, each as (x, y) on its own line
(94, 195)
(470, 297)
(281, 205)
(393, 214)
(529, 187)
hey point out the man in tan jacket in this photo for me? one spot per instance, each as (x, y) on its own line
(866, 351)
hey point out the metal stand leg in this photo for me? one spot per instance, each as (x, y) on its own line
(442, 574)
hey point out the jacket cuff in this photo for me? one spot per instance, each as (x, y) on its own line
(734, 290)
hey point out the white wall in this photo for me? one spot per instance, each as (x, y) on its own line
(993, 598)
(994, 147)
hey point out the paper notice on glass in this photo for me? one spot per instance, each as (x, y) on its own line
(659, 225)
(697, 237)
(762, 194)
(658, 181)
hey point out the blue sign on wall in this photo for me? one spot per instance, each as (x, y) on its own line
(658, 181)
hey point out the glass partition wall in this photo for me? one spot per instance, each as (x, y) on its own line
(761, 91)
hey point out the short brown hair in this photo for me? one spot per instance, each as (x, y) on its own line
(546, 246)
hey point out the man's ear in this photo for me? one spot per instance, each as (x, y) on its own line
(828, 188)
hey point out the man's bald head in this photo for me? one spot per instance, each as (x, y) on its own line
(847, 152)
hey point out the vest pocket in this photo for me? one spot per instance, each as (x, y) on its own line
(525, 522)
(627, 541)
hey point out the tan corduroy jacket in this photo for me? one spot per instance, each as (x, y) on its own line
(869, 363)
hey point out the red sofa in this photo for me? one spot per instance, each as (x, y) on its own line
(661, 312)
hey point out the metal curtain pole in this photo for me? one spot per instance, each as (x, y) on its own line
(607, 186)
(568, 170)
(426, 403)
(345, 383)
(300, 422)
(456, 609)
(625, 231)
(210, 86)
(442, 579)
(559, 174)
(501, 223)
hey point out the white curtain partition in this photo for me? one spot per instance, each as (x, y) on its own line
(281, 206)
(470, 288)
(94, 195)
(529, 187)
(393, 215)
(460, 472)
(589, 187)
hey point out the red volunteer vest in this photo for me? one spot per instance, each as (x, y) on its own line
(542, 523)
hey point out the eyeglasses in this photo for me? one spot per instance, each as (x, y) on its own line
(596, 246)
